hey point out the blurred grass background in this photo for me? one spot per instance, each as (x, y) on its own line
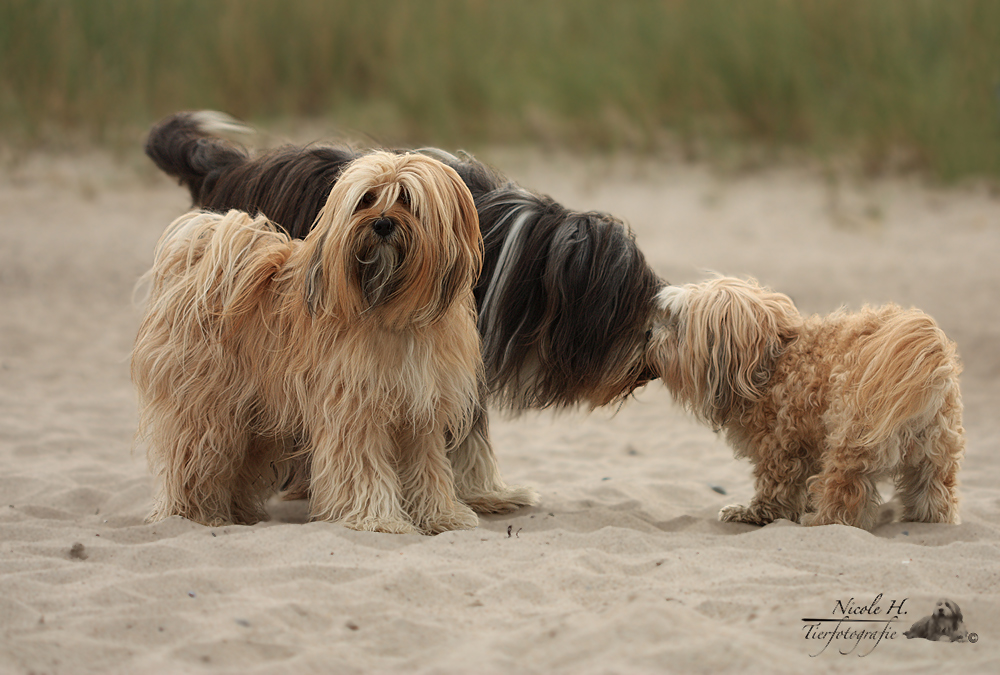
(912, 84)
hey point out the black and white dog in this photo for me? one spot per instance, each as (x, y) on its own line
(565, 297)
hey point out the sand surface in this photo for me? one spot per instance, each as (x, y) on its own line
(623, 568)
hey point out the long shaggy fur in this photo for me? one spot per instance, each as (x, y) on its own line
(565, 297)
(944, 624)
(824, 407)
(354, 350)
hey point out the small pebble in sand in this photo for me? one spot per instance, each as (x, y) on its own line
(77, 552)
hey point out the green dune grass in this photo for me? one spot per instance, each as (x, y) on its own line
(878, 79)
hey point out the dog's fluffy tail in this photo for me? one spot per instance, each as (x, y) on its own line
(906, 369)
(186, 146)
(213, 267)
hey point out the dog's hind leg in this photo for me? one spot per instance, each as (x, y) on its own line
(197, 455)
(845, 491)
(478, 482)
(928, 481)
(294, 472)
(257, 478)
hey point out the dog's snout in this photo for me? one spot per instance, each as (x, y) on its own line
(383, 227)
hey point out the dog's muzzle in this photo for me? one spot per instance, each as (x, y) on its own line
(383, 227)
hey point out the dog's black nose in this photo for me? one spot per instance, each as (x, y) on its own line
(383, 227)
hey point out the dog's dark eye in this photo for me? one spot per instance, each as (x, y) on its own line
(368, 199)
(649, 334)
(404, 197)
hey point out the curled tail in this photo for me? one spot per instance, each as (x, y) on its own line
(187, 147)
(904, 371)
(210, 269)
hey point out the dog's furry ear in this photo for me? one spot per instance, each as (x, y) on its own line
(326, 288)
(736, 331)
(314, 278)
(469, 261)
(326, 285)
(958, 613)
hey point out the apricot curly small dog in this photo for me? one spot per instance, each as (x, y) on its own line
(824, 407)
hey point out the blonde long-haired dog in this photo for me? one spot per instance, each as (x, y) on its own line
(822, 406)
(357, 344)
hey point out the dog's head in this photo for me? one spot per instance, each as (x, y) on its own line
(715, 344)
(398, 238)
(947, 610)
(565, 300)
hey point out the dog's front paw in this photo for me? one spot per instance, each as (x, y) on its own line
(462, 518)
(732, 514)
(387, 525)
(164, 511)
(737, 513)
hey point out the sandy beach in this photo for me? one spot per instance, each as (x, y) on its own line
(622, 568)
